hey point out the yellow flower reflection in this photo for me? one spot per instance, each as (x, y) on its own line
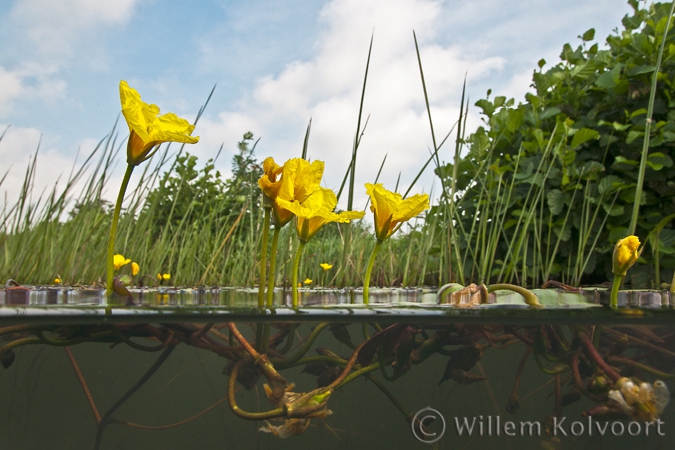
(316, 211)
(625, 255)
(119, 261)
(326, 266)
(135, 268)
(391, 210)
(147, 128)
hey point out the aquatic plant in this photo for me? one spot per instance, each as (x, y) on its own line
(147, 131)
(390, 211)
(593, 358)
(626, 253)
(310, 216)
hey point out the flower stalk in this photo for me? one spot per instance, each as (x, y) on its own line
(273, 267)
(263, 254)
(296, 267)
(369, 270)
(110, 269)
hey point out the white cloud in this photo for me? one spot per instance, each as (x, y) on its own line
(54, 27)
(30, 81)
(328, 86)
(52, 167)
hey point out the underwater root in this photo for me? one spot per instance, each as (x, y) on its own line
(599, 363)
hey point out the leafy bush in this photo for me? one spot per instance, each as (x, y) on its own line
(547, 186)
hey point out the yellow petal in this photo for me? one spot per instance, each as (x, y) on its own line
(316, 211)
(390, 209)
(269, 182)
(300, 179)
(134, 268)
(119, 261)
(626, 254)
(148, 129)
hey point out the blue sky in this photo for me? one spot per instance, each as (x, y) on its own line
(275, 64)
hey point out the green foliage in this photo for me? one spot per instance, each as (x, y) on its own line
(556, 175)
(187, 195)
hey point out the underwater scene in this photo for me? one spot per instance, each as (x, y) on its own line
(176, 368)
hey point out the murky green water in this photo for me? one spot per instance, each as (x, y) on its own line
(461, 360)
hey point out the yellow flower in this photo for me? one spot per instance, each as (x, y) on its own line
(307, 281)
(316, 211)
(119, 261)
(391, 210)
(57, 280)
(300, 179)
(134, 269)
(166, 276)
(270, 182)
(326, 266)
(625, 255)
(147, 128)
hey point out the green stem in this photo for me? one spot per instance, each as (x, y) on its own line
(530, 298)
(614, 296)
(290, 361)
(113, 230)
(263, 254)
(648, 126)
(273, 267)
(296, 267)
(369, 271)
(107, 416)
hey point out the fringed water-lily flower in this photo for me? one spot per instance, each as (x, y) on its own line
(147, 128)
(391, 210)
(270, 182)
(326, 266)
(299, 181)
(316, 211)
(135, 268)
(310, 215)
(625, 255)
(119, 261)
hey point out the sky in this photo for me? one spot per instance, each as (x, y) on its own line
(275, 65)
